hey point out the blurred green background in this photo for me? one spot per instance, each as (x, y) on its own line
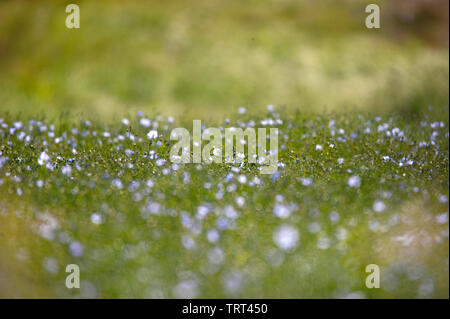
(207, 57)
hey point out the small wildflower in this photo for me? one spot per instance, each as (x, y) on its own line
(145, 122)
(152, 134)
(354, 181)
(286, 237)
(378, 206)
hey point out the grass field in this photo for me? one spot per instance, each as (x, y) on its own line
(349, 191)
(363, 151)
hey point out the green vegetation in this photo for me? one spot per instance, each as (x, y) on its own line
(350, 191)
(204, 57)
(363, 150)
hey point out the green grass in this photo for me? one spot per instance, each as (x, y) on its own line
(138, 251)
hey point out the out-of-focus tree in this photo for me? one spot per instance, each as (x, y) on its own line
(427, 19)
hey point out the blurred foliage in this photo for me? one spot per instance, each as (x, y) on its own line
(204, 57)
(427, 19)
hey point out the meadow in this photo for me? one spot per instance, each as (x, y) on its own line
(363, 159)
(348, 192)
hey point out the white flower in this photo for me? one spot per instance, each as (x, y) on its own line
(233, 282)
(160, 162)
(306, 181)
(217, 152)
(442, 218)
(202, 211)
(242, 179)
(17, 125)
(66, 170)
(240, 201)
(76, 249)
(281, 211)
(443, 199)
(187, 289)
(152, 134)
(188, 242)
(354, 181)
(334, 216)
(43, 158)
(286, 237)
(230, 212)
(213, 235)
(96, 219)
(145, 122)
(378, 206)
(117, 183)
